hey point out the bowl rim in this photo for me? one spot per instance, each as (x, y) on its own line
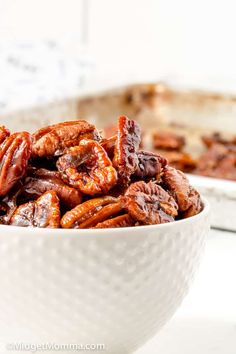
(112, 231)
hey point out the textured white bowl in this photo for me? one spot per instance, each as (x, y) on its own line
(114, 286)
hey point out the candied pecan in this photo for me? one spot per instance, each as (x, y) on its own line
(168, 141)
(42, 180)
(149, 203)
(15, 152)
(55, 139)
(88, 168)
(91, 212)
(119, 221)
(179, 160)
(125, 154)
(218, 161)
(149, 165)
(186, 196)
(44, 212)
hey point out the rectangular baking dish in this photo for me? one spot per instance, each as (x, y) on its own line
(155, 106)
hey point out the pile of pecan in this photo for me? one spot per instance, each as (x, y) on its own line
(66, 175)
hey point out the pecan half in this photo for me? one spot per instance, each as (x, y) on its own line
(55, 139)
(91, 212)
(186, 196)
(149, 165)
(148, 203)
(44, 212)
(168, 141)
(88, 168)
(119, 221)
(15, 152)
(125, 153)
(42, 180)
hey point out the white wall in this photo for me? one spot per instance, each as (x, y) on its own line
(130, 40)
(185, 40)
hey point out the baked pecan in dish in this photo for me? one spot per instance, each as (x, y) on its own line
(168, 141)
(119, 221)
(55, 139)
(186, 196)
(91, 212)
(149, 203)
(44, 212)
(88, 168)
(149, 165)
(180, 160)
(219, 161)
(15, 152)
(127, 145)
(42, 180)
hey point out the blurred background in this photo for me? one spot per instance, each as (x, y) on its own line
(57, 48)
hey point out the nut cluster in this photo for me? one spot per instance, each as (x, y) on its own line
(66, 175)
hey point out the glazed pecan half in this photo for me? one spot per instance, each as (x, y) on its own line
(149, 203)
(168, 141)
(127, 145)
(15, 152)
(186, 196)
(91, 212)
(55, 139)
(44, 212)
(41, 180)
(119, 221)
(88, 168)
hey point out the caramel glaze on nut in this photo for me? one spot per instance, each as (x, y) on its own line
(88, 168)
(148, 203)
(44, 212)
(91, 212)
(15, 151)
(41, 180)
(126, 148)
(186, 196)
(119, 221)
(55, 139)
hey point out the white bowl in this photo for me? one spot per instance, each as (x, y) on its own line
(115, 287)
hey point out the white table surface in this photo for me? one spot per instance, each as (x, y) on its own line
(206, 321)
